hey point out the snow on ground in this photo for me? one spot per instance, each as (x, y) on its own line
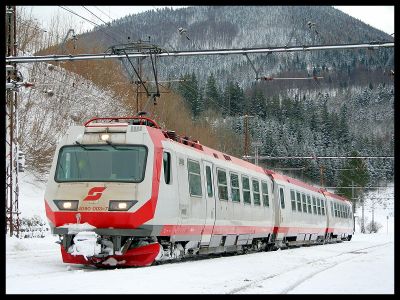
(31, 196)
(362, 266)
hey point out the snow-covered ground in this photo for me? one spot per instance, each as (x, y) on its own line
(362, 266)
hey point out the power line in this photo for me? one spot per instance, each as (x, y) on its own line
(72, 12)
(120, 35)
(24, 59)
(103, 12)
(95, 15)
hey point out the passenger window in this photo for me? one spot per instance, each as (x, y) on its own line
(282, 197)
(323, 206)
(235, 187)
(167, 167)
(209, 182)
(335, 208)
(256, 192)
(309, 204)
(246, 189)
(264, 186)
(298, 201)
(293, 199)
(332, 210)
(194, 178)
(222, 185)
(319, 205)
(314, 205)
(303, 200)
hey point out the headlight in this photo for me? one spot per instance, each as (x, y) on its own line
(105, 137)
(121, 205)
(67, 204)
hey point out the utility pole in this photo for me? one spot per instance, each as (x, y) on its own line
(387, 224)
(321, 171)
(372, 222)
(362, 214)
(138, 84)
(256, 145)
(11, 203)
(354, 204)
(246, 136)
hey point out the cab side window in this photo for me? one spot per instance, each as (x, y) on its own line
(167, 167)
(282, 198)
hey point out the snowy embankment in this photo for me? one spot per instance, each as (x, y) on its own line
(363, 265)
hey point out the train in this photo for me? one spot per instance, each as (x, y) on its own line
(122, 191)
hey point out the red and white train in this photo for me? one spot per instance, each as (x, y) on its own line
(122, 191)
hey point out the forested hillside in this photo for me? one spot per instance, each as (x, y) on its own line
(349, 110)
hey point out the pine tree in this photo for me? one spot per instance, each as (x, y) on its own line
(355, 173)
(212, 97)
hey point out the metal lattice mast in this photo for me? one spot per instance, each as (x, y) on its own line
(11, 203)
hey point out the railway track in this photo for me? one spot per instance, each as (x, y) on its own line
(304, 275)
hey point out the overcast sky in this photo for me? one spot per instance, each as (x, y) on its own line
(380, 17)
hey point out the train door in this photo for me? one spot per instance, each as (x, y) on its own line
(210, 202)
(281, 203)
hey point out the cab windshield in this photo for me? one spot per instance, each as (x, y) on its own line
(121, 163)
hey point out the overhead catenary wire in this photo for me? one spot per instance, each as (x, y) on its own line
(371, 45)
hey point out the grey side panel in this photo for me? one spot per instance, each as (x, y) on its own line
(215, 241)
(145, 230)
(230, 240)
(244, 239)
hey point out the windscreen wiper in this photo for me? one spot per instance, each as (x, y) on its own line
(115, 147)
(79, 144)
(88, 149)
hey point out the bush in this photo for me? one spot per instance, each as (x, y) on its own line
(33, 227)
(373, 227)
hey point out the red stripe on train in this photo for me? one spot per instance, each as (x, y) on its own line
(168, 230)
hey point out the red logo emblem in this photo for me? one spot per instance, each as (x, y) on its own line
(94, 193)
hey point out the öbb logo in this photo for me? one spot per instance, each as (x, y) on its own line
(94, 193)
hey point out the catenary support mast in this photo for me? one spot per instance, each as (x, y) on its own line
(11, 201)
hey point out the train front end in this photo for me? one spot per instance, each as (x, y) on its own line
(102, 192)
